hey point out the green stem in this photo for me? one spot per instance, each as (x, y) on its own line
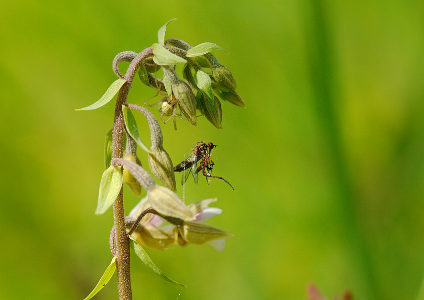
(324, 86)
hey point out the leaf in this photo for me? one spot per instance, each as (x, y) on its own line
(107, 96)
(163, 57)
(110, 186)
(161, 32)
(108, 148)
(168, 86)
(202, 49)
(204, 83)
(107, 275)
(143, 75)
(132, 127)
(145, 258)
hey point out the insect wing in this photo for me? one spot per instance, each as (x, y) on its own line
(185, 176)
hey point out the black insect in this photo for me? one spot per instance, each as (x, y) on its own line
(201, 154)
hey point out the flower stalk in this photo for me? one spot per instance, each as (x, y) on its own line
(161, 219)
(121, 237)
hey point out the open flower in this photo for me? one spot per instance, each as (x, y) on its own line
(184, 226)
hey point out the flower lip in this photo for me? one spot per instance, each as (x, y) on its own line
(207, 213)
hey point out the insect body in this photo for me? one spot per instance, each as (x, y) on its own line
(201, 154)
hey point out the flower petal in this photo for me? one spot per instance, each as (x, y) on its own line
(152, 237)
(219, 244)
(167, 203)
(139, 208)
(198, 206)
(207, 213)
(197, 233)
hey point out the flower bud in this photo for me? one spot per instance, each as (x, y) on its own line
(129, 179)
(211, 109)
(186, 101)
(150, 65)
(223, 76)
(230, 96)
(202, 61)
(168, 204)
(161, 166)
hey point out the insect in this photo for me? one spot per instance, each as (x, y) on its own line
(201, 154)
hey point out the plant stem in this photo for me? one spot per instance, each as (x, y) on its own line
(122, 240)
(325, 87)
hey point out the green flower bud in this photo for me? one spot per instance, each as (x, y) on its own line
(230, 96)
(162, 167)
(202, 61)
(150, 65)
(129, 179)
(223, 76)
(211, 109)
(186, 101)
(188, 75)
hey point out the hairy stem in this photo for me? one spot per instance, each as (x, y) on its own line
(156, 136)
(121, 238)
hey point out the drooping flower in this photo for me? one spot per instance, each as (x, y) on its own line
(184, 226)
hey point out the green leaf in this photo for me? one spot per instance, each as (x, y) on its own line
(204, 83)
(110, 186)
(107, 96)
(167, 84)
(145, 258)
(144, 76)
(132, 127)
(108, 148)
(202, 49)
(161, 32)
(163, 57)
(107, 275)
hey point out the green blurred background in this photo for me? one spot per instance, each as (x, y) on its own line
(327, 159)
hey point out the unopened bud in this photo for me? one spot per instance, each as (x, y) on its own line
(230, 96)
(202, 61)
(182, 93)
(150, 65)
(161, 166)
(186, 101)
(211, 109)
(129, 179)
(223, 76)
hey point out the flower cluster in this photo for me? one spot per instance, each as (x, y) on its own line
(205, 80)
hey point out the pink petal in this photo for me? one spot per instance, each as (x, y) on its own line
(156, 221)
(207, 213)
